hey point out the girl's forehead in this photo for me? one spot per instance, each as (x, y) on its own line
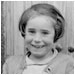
(41, 22)
(42, 18)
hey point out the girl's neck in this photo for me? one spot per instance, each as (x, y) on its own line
(37, 58)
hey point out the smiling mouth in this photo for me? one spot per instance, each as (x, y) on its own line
(36, 46)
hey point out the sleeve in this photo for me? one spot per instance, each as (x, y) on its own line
(5, 68)
(12, 64)
(6, 65)
(70, 68)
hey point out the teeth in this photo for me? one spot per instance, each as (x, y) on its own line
(38, 46)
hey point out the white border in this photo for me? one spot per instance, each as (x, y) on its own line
(36, 0)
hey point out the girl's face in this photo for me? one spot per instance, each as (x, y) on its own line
(39, 35)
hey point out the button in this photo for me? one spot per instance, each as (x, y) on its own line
(49, 69)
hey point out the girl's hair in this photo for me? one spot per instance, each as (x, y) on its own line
(46, 10)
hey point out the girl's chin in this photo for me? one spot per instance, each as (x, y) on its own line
(37, 55)
(38, 52)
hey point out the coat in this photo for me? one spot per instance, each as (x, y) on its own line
(61, 64)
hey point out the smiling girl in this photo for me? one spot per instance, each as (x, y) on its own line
(41, 26)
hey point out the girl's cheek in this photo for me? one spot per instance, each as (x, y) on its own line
(28, 38)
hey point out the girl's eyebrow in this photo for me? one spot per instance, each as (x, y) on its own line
(45, 30)
(31, 29)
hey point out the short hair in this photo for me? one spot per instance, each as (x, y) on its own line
(46, 10)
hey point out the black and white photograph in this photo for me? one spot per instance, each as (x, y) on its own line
(37, 37)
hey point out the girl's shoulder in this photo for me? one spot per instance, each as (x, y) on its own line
(15, 58)
(13, 63)
(64, 57)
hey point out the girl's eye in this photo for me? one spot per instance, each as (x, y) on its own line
(31, 31)
(45, 33)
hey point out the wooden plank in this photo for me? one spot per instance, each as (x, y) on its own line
(4, 8)
(12, 28)
(27, 4)
(8, 27)
(18, 40)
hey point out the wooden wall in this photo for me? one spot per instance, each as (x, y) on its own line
(11, 12)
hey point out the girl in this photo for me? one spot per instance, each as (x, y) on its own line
(41, 25)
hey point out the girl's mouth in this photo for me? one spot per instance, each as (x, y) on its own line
(38, 46)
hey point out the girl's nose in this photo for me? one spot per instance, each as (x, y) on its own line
(37, 38)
